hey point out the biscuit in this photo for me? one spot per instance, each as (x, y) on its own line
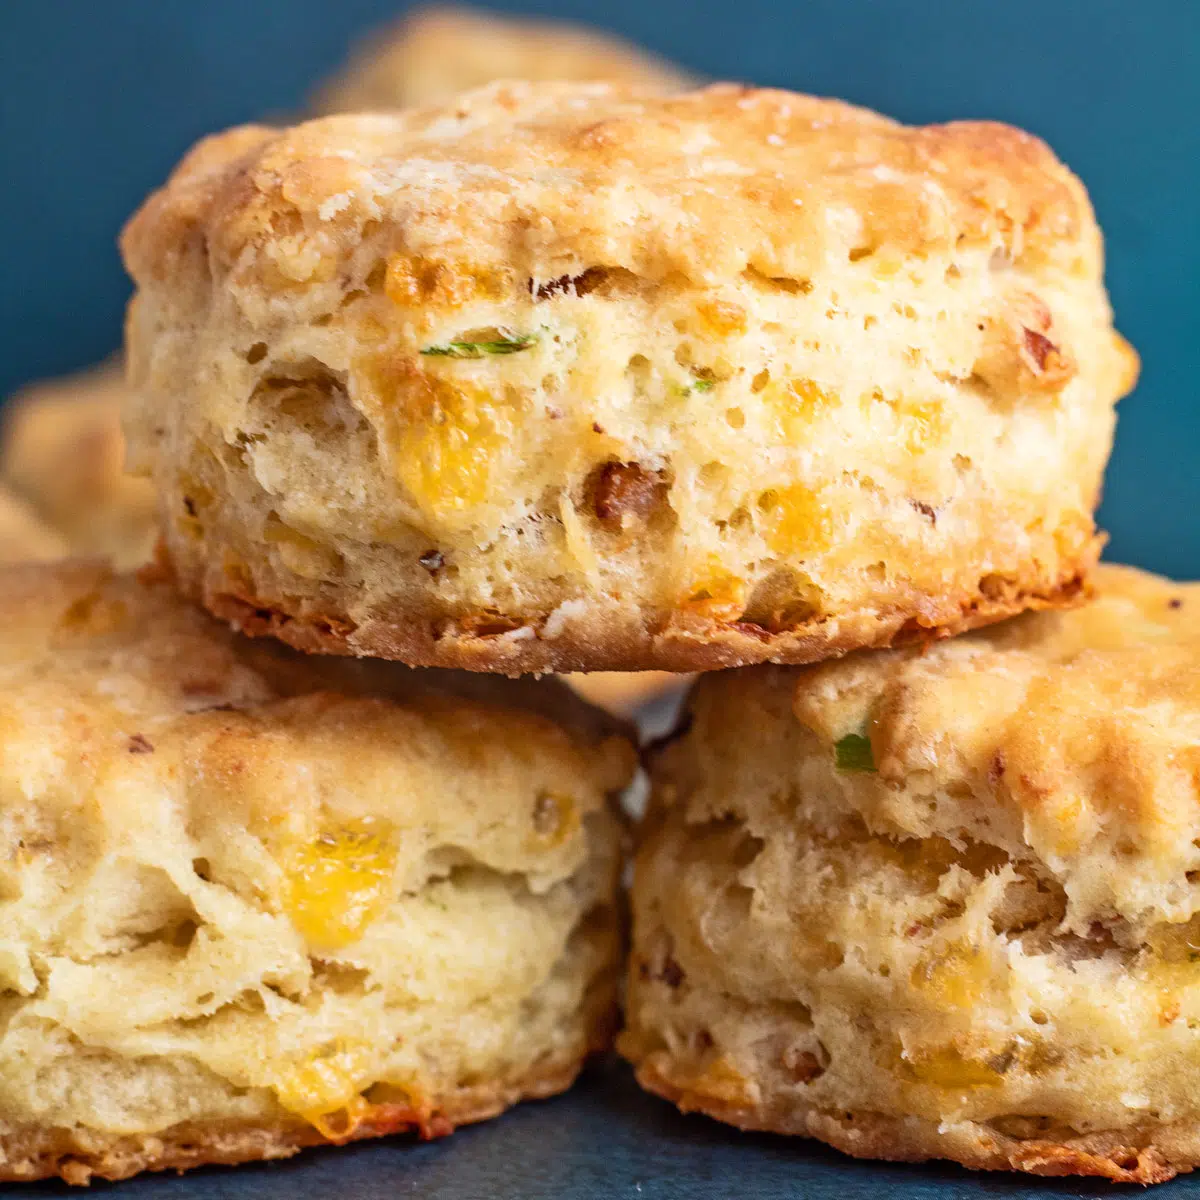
(24, 538)
(564, 378)
(433, 54)
(251, 902)
(61, 448)
(940, 905)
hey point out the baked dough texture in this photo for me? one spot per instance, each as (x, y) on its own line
(435, 53)
(940, 905)
(62, 449)
(564, 377)
(251, 902)
(23, 537)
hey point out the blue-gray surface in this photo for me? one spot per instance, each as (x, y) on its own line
(99, 99)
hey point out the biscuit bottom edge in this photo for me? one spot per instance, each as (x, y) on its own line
(594, 636)
(1148, 1155)
(78, 1156)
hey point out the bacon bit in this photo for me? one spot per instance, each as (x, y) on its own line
(671, 973)
(753, 629)
(625, 492)
(432, 561)
(1175, 602)
(569, 285)
(997, 768)
(802, 1065)
(1040, 348)
(140, 744)
(926, 510)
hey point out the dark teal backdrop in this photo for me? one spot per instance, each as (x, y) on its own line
(100, 97)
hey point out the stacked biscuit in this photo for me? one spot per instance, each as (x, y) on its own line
(253, 902)
(61, 445)
(578, 377)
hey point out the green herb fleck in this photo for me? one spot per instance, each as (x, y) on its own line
(502, 345)
(694, 385)
(853, 753)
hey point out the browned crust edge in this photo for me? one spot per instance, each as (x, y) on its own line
(680, 641)
(1122, 1156)
(77, 1156)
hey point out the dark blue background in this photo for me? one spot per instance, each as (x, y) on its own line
(97, 101)
(100, 98)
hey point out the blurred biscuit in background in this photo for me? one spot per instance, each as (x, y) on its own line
(62, 451)
(23, 536)
(650, 697)
(435, 53)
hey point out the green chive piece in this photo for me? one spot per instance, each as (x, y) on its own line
(853, 753)
(704, 385)
(504, 345)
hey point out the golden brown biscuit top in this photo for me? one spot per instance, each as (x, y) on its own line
(116, 693)
(435, 53)
(544, 180)
(1073, 737)
(1069, 701)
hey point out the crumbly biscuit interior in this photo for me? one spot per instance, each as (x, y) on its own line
(958, 886)
(235, 888)
(768, 451)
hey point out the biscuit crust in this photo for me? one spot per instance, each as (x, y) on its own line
(939, 904)
(252, 901)
(78, 1156)
(582, 637)
(572, 377)
(1144, 1156)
